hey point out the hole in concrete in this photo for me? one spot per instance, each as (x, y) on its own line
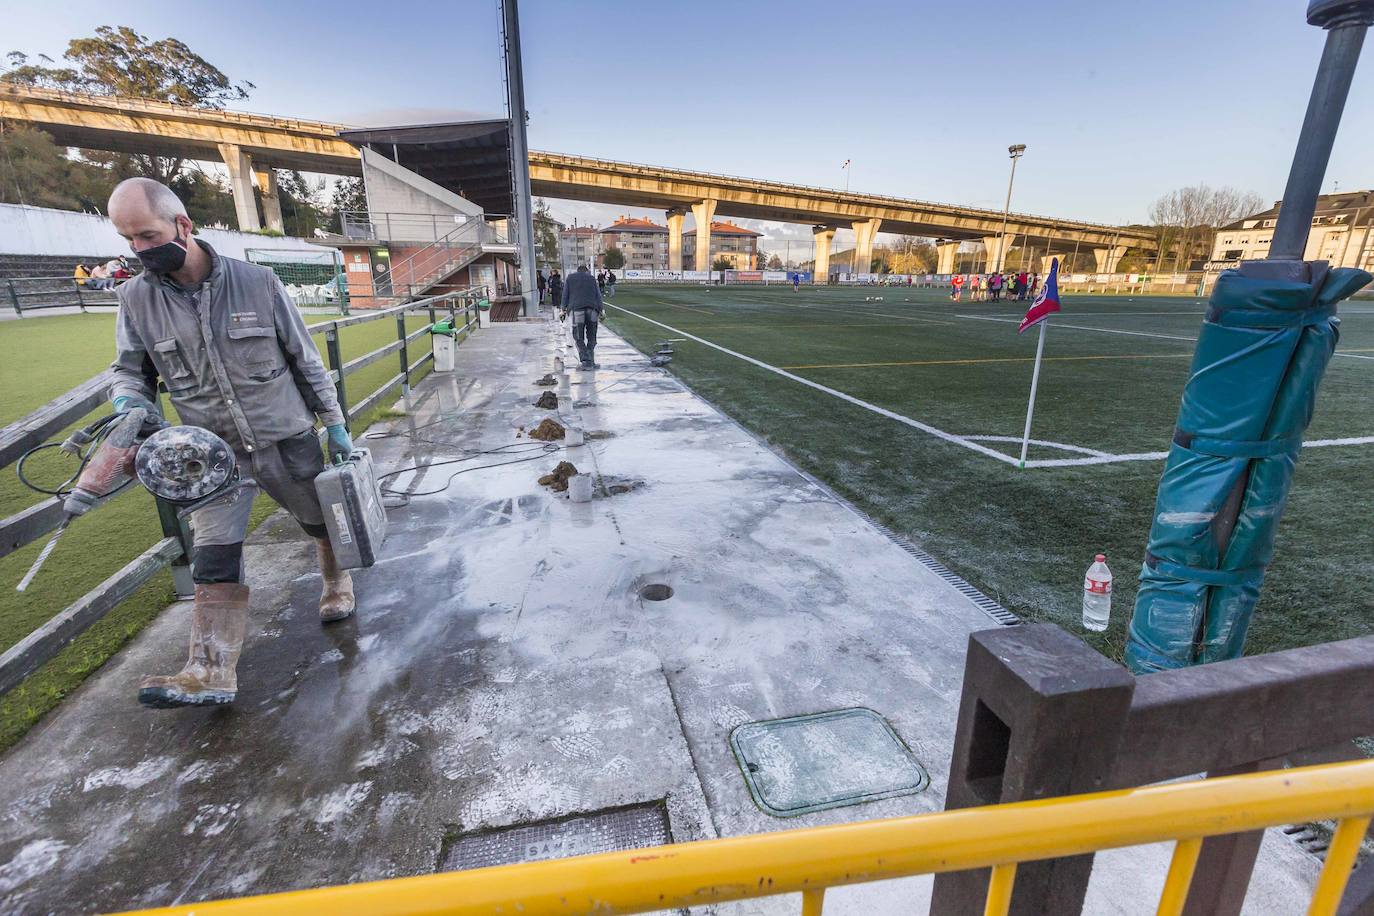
(656, 592)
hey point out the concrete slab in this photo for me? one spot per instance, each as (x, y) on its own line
(503, 668)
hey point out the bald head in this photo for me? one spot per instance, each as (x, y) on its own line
(156, 197)
(148, 214)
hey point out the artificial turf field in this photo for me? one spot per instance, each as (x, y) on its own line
(1109, 390)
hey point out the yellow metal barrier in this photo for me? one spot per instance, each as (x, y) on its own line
(810, 860)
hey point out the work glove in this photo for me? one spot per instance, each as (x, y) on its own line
(126, 402)
(340, 445)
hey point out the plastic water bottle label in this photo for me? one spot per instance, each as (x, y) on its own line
(1097, 586)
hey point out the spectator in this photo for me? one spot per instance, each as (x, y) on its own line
(81, 275)
(555, 288)
(610, 283)
(541, 283)
(100, 278)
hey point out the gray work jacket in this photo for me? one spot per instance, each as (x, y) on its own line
(234, 354)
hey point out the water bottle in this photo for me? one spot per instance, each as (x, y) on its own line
(1097, 594)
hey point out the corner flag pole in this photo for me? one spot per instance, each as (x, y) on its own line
(1035, 383)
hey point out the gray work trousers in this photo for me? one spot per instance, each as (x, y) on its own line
(286, 471)
(584, 334)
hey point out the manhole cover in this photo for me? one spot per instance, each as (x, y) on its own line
(826, 760)
(582, 834)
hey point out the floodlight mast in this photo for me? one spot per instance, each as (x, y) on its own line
(1015, 151)
(1345, 22)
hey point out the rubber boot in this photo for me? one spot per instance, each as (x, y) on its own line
(336, 600)
(218, 623)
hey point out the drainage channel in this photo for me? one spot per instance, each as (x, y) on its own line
(994, 610)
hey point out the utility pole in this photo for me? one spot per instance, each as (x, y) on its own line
(1016, 151)
(519, 155)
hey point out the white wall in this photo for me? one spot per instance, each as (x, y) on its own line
(38, 230)
(401, 202)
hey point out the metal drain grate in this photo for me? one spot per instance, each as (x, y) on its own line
(988, 606)
(615, 829)
(825, 760)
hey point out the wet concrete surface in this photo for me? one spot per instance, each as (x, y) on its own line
(503, 668)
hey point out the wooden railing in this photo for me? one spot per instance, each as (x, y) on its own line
(174, 548)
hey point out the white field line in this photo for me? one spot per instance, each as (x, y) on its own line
(1081, 327)
(881, 411)
(1092, 456)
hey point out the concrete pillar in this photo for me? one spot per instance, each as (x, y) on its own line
(240, 167)
(703, 213)
(997, 260)
(1107, 258)
(864, 231)
(947, 257)
(823, 235)
(1045, 262)
(675, 218)
(271, 200)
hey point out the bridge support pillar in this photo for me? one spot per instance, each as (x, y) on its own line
(271, 199)
(675, 218)
(1108, 258)
(864, 231)
(946, 257)
(997, 247)
(703, 213)
(1045, 262)
(823, 235)
(240, 166)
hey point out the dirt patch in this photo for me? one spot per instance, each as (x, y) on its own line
(548, 430)
(546, 381)
(615, 486)
(557, 481)
(548, 400)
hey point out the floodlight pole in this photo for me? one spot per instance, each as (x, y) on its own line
(1346, 22)
(1015, 151)
(519, 156)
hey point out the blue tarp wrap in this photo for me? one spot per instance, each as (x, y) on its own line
(1263, 350)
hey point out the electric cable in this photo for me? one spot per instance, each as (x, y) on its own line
(540, 451)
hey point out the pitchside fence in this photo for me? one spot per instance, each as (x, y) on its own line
(312, 277)
(174, 549)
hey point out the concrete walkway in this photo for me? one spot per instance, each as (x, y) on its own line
(503, 669)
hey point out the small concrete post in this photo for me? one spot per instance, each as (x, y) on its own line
(1042, 714)
(702, 214)
(675, 218)
(824, 236)
(240, 167)
(271, 199)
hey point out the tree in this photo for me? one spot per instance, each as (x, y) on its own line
(545, 234)
(722, 263)
(303, 208)
(613, 258)
(775, 263)
(1188, 218)
(36, 171)
(348, 197)
(120, 61)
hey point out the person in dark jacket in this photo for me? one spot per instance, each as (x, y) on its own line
(582, 297)
(555, 288)
(541, 283)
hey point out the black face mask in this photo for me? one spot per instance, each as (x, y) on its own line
(165, 258)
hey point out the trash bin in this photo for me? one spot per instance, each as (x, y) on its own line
(445, 342)
(484, 314)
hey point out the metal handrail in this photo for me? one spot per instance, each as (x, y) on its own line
(813, 859)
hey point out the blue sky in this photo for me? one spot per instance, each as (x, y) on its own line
(1117, 103)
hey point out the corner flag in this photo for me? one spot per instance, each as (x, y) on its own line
(1045, 304)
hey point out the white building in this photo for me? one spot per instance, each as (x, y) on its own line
(1342, 233)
